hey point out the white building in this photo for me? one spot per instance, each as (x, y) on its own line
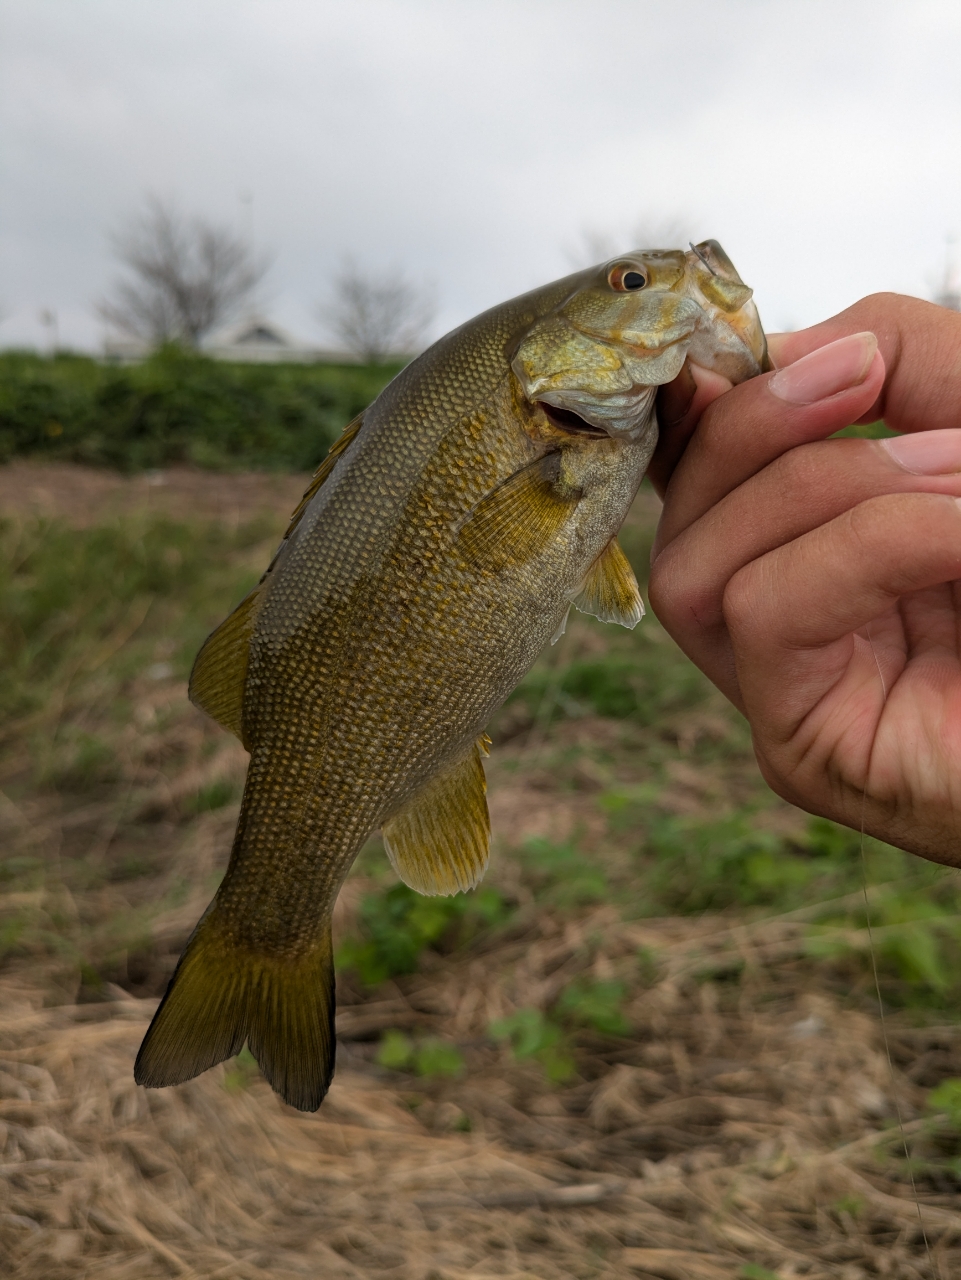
(253, 340)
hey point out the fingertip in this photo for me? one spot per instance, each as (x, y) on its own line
(709, 386)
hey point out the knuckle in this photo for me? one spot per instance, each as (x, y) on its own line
(668, 588)
(740, 599)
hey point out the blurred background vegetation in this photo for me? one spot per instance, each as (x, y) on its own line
(178, 406)
(659, 940)
(666, 814)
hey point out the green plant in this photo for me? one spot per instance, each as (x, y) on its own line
(947, 1098)
(532, 1035)
(241, 1072)
(428, 1057)
(851, 1205)
(561, 874)
(178, 406)
(914, 940)
(397, 924)
(708, 864)
(595, 1004)
(214, 795)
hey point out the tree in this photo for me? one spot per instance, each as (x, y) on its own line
(377, 316)
(185, 276)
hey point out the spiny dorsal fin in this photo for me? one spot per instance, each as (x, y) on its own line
(220, 668)
(439, 843)
(610, 591)
(343, 442)
(522, 516)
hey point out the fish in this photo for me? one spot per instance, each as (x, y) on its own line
(439, 548)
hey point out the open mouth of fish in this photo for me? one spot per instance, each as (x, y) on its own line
(571, 422)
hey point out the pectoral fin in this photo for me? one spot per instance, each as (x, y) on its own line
(610, 591)
(220, 669)
(439, 844)
(519, 518)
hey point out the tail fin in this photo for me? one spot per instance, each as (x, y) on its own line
(222, 994)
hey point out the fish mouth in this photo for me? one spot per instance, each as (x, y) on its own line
(572, 423)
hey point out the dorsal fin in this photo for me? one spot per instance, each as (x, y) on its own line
(439, 843)
(610, 591)
(220, 668)
(340, 445)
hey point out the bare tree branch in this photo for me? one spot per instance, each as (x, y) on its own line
(376, 317)
(185, 276)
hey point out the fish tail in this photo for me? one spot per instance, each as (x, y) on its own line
(223, 994)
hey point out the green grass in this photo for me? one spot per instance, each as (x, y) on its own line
(95, 622)
(179, 407)
(83, 611)
(395, 925)
(428, 1057)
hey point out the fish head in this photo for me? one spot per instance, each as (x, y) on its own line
(627, 327)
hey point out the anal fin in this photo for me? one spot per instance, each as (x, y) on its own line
(439, 843)
(220, 668)
(610, 591)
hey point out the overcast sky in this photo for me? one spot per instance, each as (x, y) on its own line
(472, 142)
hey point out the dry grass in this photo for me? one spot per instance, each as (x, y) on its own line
(712, 1139)
(736, 1115)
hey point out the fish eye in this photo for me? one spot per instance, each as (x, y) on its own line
(625, 279)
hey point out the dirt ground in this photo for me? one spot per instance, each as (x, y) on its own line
(83, 496)
(752, 1124)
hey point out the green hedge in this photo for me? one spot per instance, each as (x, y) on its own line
(178, 407)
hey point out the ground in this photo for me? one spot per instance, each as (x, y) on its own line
(649, 1046)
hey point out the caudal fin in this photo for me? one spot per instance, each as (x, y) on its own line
(222, 995)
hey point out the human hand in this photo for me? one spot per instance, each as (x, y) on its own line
(816, 581)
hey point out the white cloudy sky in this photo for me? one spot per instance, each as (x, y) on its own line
(473, 141)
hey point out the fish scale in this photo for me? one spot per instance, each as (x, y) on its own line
(436, 553)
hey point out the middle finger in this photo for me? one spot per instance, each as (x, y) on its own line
(824, 479)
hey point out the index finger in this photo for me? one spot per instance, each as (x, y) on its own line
(745, 429)
(920, 344)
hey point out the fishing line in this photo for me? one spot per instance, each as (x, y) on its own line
(936, 1267)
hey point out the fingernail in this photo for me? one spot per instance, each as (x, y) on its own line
(928, 453)
(825, 372)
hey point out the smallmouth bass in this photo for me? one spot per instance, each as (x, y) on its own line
(439, 547)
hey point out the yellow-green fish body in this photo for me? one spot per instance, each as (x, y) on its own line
(436, 553)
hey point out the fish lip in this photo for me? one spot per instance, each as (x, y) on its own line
(671, 337)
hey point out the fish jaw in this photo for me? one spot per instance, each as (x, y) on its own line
(729, 338)
(602, 351)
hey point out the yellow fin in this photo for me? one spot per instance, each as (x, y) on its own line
(610, 591)
(520, 517)
(222, 994)
(561, 626)
(220, 668)
(439, 843)
(340, 445)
